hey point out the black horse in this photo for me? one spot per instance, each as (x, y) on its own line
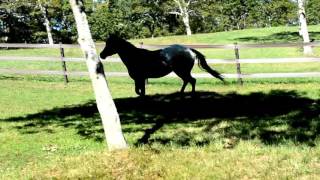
(143, 64)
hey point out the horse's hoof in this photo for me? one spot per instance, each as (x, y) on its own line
(142, 96)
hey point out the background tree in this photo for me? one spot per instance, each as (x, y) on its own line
(236, 12)
(303, 27)
(312, 11)
(43, 5)
(281, 12)
(114, 17)
(17, 21)
(151, 15)
(20, 21)
(182, 9)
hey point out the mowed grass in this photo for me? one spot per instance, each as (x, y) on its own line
(263, 35)
(266, 129)
(248, 36)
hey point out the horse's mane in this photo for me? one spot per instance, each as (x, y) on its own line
(121, 42)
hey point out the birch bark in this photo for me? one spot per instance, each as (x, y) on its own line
(184, 13)
(307, 50)
(46, 21)
(107, 109)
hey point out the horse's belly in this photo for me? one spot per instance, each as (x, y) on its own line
(157, 71)
(149, 72)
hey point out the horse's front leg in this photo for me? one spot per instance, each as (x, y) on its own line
(143, 88)
(137, 89)
(140, 87)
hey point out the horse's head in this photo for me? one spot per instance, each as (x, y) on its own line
(112, 46)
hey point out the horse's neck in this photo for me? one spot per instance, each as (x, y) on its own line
(127, 45)
(126, 51)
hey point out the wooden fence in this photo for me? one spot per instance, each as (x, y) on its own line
(237, 61)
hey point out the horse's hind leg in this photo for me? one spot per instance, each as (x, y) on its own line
(143, 89)
(193, 83)
(190, 80)
(182, 66)
(184, 86)
(187, 78)
(184, 72)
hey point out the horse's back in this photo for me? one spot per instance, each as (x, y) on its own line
(176, 52)
(158, 63)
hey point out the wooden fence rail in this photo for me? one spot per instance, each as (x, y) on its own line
(153, 46)
(210, 61)
(237, 61)
(196, 75)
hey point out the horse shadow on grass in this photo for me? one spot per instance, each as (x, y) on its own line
(182, 119)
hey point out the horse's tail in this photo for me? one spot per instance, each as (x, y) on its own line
(204, 65)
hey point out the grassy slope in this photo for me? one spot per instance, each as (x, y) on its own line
(264, 35)
(268, 129)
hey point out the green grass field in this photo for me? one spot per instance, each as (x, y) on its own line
(266, 129)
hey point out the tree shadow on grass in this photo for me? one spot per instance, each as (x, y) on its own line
(278, 37)
(5, 77)
(184, 120)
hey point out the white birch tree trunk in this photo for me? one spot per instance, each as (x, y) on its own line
(183, 8)
(107, 109)
(46, 22)
(307, 50)
(185, 19)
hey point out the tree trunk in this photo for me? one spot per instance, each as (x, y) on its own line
(185, 19)
(46, 22)
(107, 109)
(304, 28)
(183, 7)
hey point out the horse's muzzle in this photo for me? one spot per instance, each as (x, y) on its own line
(102, 56)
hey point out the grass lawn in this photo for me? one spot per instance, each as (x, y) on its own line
(266, 129)
(262, 35)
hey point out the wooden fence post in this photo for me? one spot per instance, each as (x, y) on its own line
(64, 66)
(236, 51)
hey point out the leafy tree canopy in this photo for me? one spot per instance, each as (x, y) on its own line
(21, 20)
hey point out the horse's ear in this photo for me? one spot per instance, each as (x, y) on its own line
(108, 36)
(112, 36)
